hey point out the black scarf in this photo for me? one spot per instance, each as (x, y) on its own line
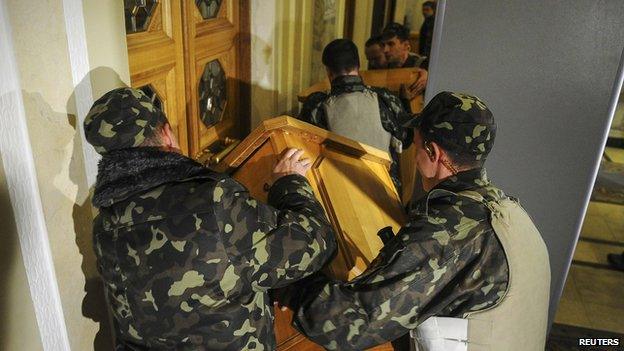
(123, 173)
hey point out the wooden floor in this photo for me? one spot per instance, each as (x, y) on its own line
(566, 338)
(593, 296)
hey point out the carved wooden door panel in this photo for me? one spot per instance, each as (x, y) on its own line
(216, 68)
(156, 59)
(193, 57)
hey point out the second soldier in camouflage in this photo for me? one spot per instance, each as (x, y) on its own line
(446, 261)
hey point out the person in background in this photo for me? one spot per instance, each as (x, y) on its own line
(426, 31)
(186, 255)
(374, 50)
(370, 115)
(397, 48)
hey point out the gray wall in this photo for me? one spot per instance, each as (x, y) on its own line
(547, 70)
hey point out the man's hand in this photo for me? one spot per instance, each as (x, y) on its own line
(290, 163)
(417, 87)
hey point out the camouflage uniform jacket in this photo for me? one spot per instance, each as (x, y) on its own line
(187, 256)
(391, 111)
(446, 261)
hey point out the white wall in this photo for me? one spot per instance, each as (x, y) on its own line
(413, 12)
(60, 63)
(18, 323)
(263, 75)
(362, 22)
(281, 33)
(23, 218)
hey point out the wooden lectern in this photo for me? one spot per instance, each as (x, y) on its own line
(391, 79)
(350, 179)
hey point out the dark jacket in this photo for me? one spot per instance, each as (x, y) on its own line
(425, 38)
(188, 257)
(447, 261)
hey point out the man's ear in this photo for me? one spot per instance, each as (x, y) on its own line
(408, 45)
(168, 138)
(437, 152)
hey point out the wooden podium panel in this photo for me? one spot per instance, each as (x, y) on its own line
(390, 79)
(351, 181)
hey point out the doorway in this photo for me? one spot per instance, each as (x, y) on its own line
(192, 58)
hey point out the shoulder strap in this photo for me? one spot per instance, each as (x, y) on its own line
(495, 207)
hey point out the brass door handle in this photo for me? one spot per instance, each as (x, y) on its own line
(204, 156)
(217, 151)
(218, 157)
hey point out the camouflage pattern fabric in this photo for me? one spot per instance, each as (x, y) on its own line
(459, 123)
(122, 118)
(447, 261)
(391, 111)
(188, 257)
(415, 60)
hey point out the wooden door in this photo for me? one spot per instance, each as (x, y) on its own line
(193, 57)
(217, 71)
(156, 59)
(352, 182)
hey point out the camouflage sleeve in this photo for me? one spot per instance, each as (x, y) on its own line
(394, 115)
(275, 244)
(414, 276)
(407, 105)
(312, 110)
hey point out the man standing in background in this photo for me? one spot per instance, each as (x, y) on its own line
(397, 48)
(374, 50)
(426, 31)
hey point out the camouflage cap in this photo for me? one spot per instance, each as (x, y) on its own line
(459, 123)
(120, 119)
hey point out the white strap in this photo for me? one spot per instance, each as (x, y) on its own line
(396, 144)
(441, 333)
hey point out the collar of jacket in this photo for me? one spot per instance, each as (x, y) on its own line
(346, 84)
(410, 61)
(465, 180)
(123, 173)
(474, 180)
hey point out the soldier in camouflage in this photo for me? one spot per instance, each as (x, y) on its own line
(370, 115)
(395, 40)
(446, 261)
(186, 255)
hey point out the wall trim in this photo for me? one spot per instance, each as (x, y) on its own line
(291, 66)
(362, 22)
(19, 167)
(80, 68)
(435, 47)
